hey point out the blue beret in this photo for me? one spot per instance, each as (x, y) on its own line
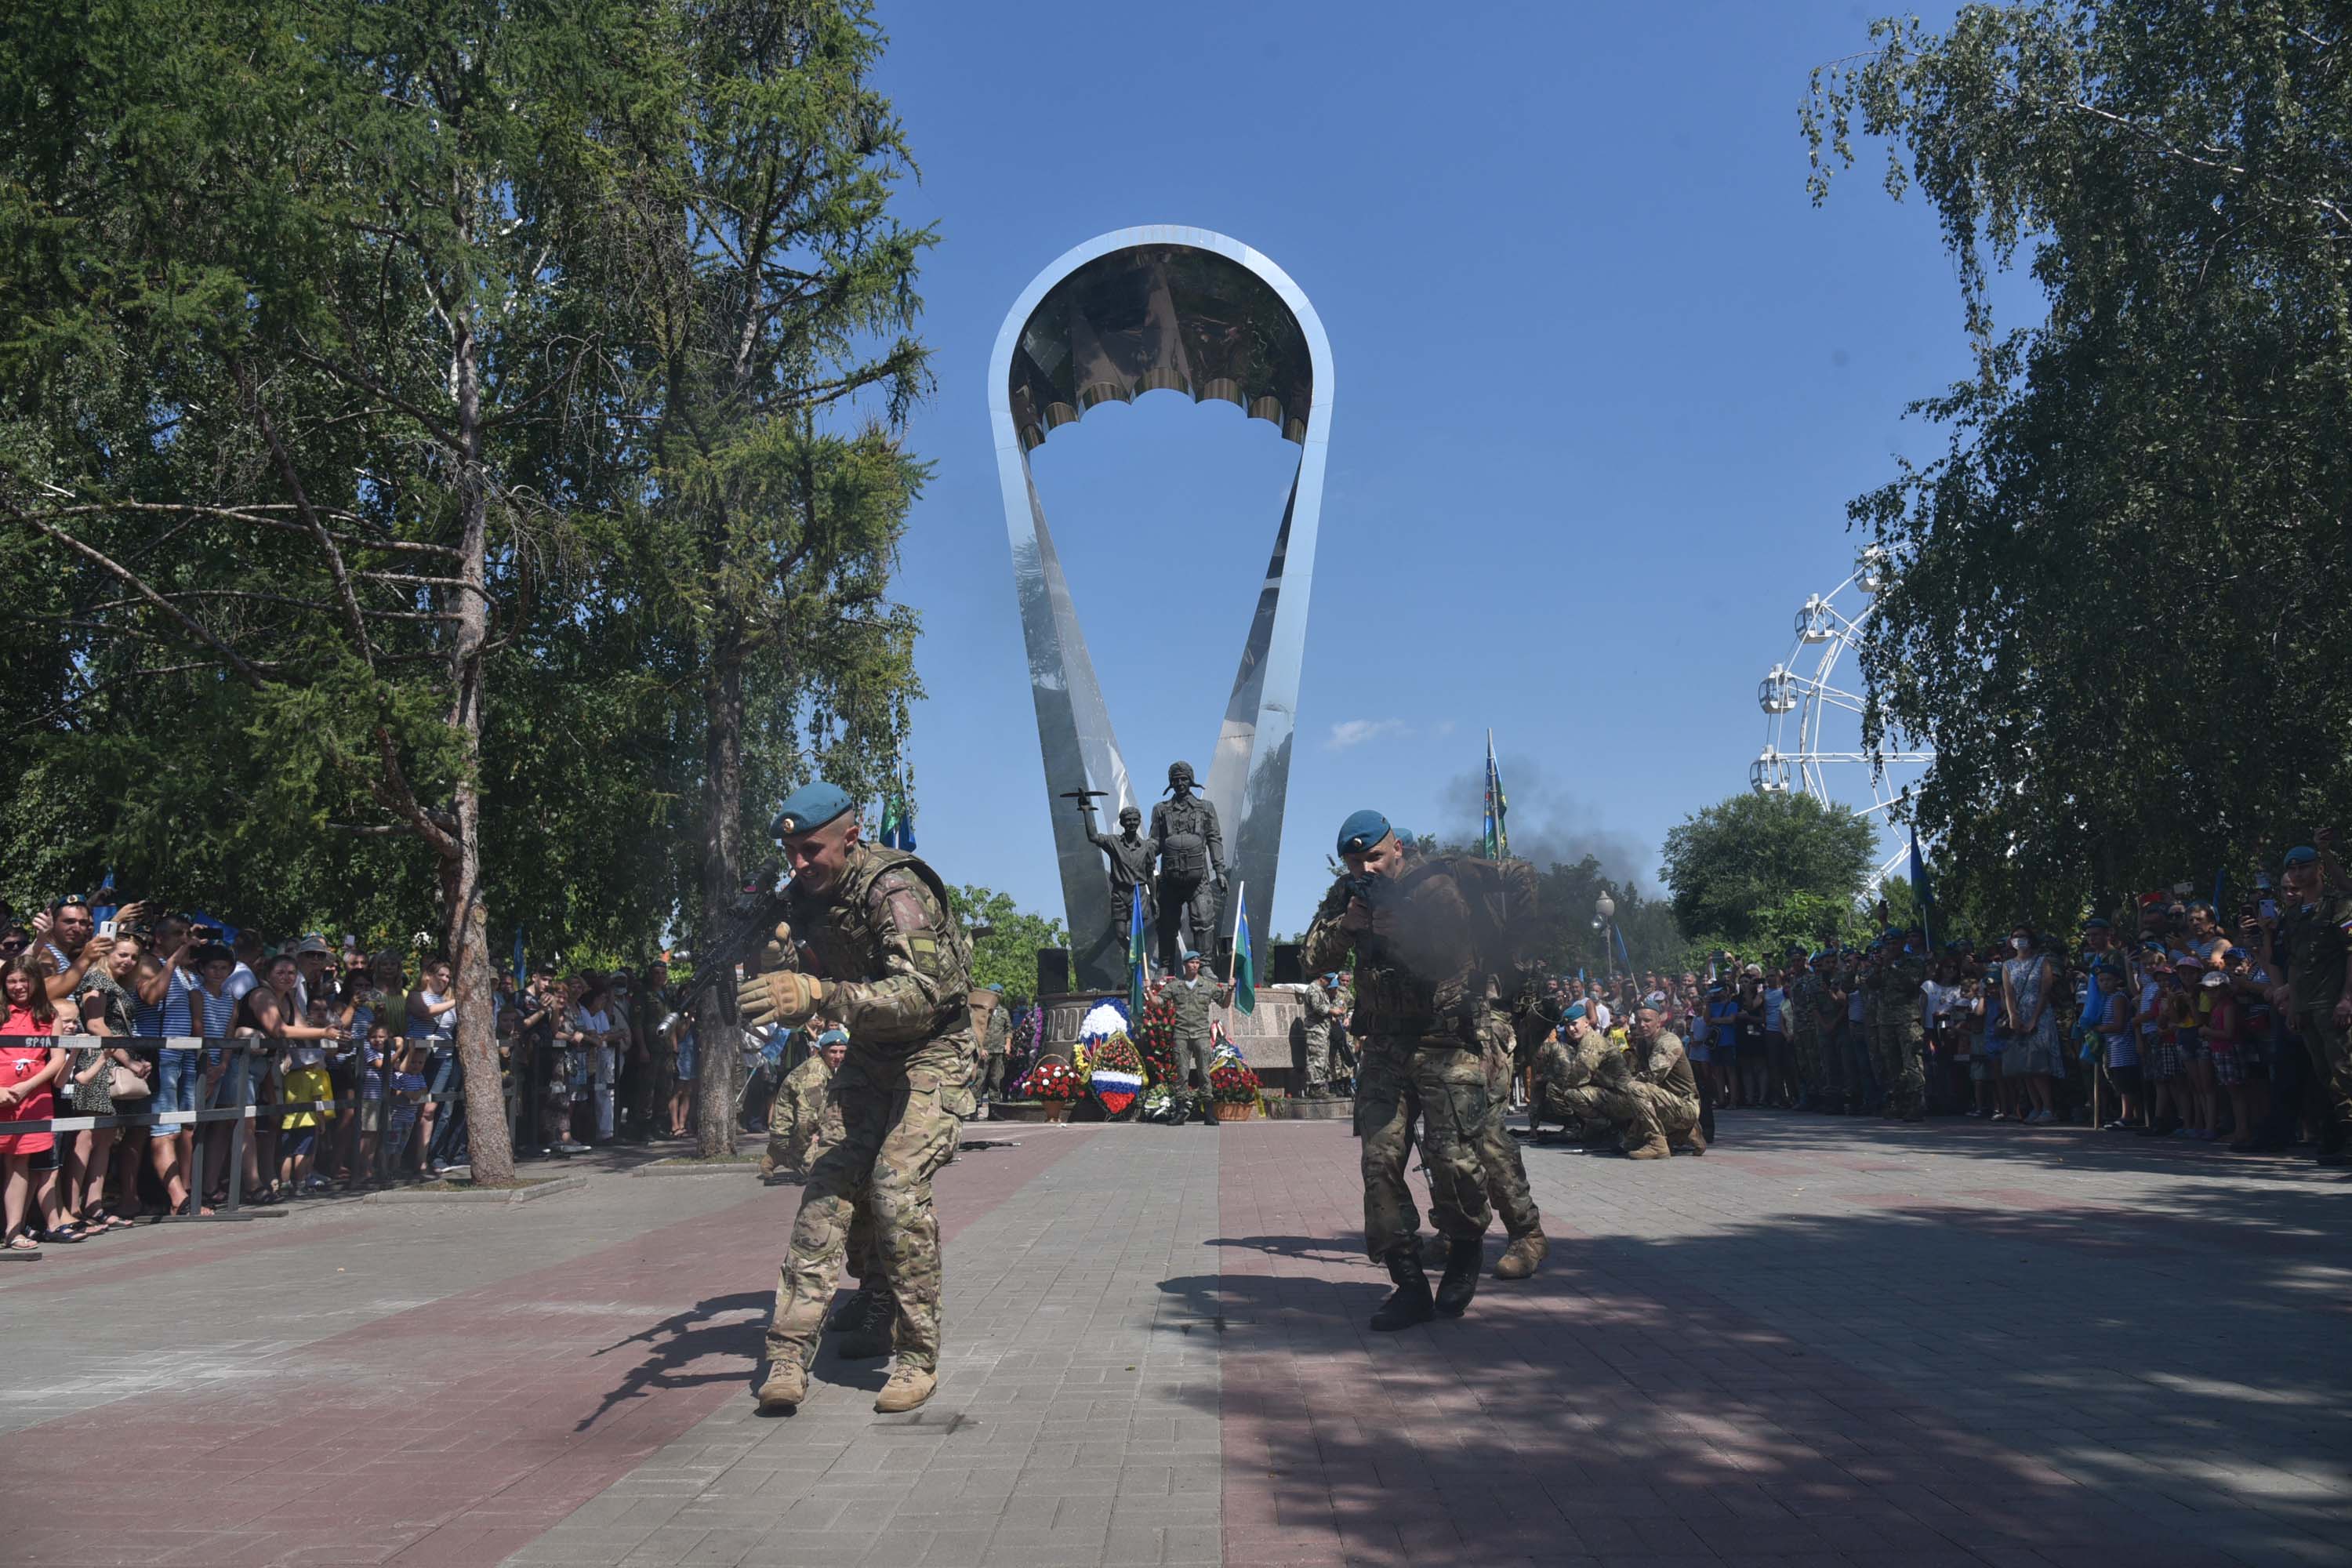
(810, 807)
(998, 989)
(1576, 1010)
(2301, 855)
(833, 1038)
(2097, 922)
(1361, 831)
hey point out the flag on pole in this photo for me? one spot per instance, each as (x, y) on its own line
(521, 974)
(1243, 974)
(1135, 955)
(1920, 886)
(1623, 957)
(1496, 843)
(898, 819)
(2220, 885)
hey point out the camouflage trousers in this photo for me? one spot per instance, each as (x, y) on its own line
(901, 1120)
(1576, 1105)
(1398, 1081)
(1498, 1152)
(1648, 1112)
(1811, 1065)
(1192, 1055)
(2330, 1049)
(1318, 1057)
(1895, 1049)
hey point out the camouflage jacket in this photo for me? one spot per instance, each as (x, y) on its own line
(1417, 969)
(1664, 1062)
(1903, 976)
(1572, 1064)
(886, 939)
(1322, 1010)
(1194, 1004)
(1809, 1002)
(805, 1119)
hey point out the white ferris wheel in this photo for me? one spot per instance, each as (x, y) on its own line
(1812, 726)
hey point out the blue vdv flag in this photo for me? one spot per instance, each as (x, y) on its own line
(521, 974)
(1244, 970)
(1920, 885)
(898, 820)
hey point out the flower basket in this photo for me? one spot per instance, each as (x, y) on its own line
(1234, 1088)
(1056, 1110)
(1054, 1082)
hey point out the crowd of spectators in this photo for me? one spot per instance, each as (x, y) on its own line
(2178, 1017)
(347, 1059)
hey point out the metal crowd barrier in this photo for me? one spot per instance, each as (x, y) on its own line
(238, 1052)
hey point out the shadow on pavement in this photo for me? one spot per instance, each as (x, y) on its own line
(1972, 1376)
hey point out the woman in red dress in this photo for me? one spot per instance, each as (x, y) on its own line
(27, 1068)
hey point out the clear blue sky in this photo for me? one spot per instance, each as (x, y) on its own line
(1606, 383)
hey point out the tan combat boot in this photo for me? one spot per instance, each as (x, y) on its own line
(1521, 1257)
(785, 1387)
(908, 1387)
(1656, 1149)
(1691, 1142)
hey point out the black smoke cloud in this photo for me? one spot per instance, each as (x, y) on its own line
(1547, 825)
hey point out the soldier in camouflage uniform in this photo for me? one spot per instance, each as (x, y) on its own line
(1498, 1153)
(1804, 1023)
(1569, 1073)
(803, 1123)
(879, 948)
(1870, 974)
(2312, 935)
(1657, 1099)
(1321, 1003)
(1196, 999)
(1903, 972)
(1419, 1020)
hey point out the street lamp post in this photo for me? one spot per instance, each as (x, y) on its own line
(1604, 911)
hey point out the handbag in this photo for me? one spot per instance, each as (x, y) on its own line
(124, 1084)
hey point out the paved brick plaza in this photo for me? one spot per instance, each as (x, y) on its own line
(1828, 1343)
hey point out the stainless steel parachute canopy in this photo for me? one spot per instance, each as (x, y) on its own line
(1141, 310)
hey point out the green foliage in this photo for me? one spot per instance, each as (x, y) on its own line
(1757, 867)
(395, 270)
(2121, 596)
(1007, 954)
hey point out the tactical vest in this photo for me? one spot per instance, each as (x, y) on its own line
(842, 932)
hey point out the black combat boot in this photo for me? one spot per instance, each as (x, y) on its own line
(1460, 1280)
(1409, 1303)
(873, 1334)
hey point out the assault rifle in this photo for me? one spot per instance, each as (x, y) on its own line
(739, 931)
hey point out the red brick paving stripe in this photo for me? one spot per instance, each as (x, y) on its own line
(449, 1436)
(206, 1243)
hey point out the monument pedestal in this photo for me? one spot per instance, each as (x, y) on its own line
(1270, 1040)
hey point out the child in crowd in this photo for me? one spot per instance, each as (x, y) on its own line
(2118, 1034)
(303, 1072)
(375, 1055)
(2169, 1108)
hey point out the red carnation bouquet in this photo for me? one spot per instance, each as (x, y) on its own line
(1053, 1080)
(1230, 1083)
